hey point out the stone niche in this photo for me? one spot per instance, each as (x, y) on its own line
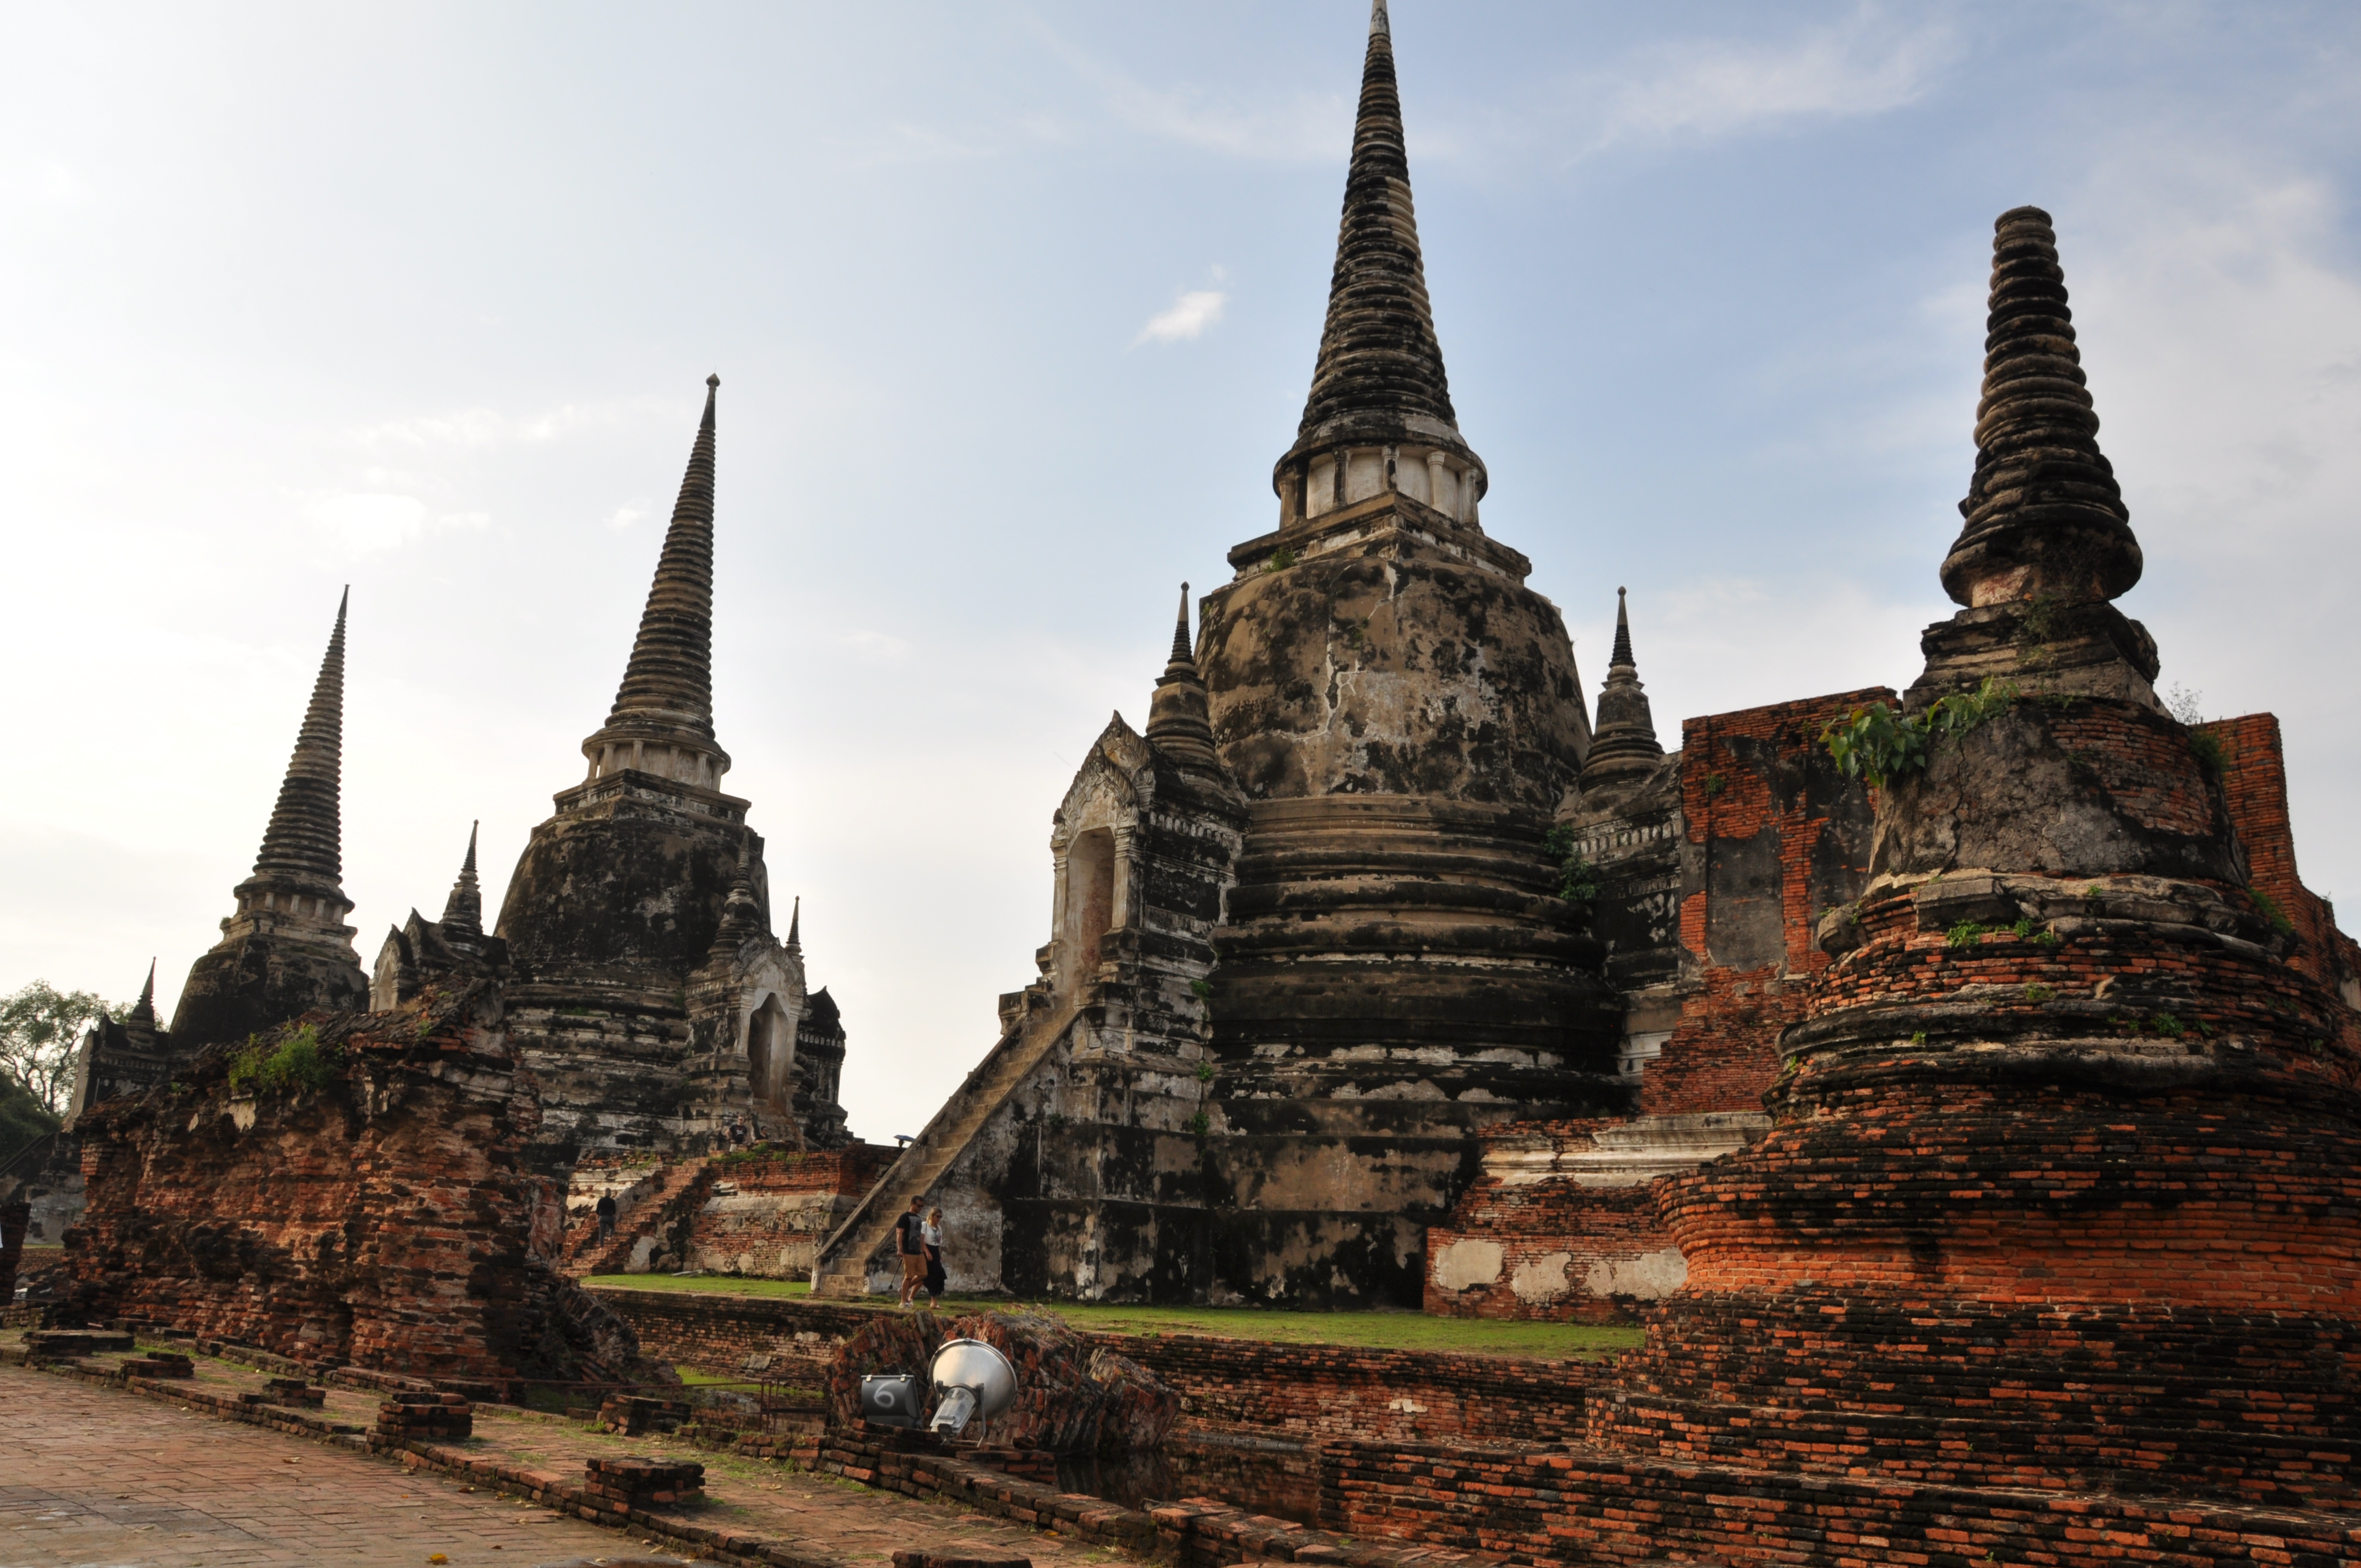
(380, 1206)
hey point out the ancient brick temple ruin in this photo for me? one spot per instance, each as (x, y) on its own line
(631, 1003)
(1377, 973)
(362, 1189)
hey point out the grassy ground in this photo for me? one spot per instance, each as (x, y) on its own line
(1375, 1331)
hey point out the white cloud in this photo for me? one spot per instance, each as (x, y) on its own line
(366, 523)
(1863, 65)
(1191, 314)
(486, 430)
(1305, 127)
(877, 647)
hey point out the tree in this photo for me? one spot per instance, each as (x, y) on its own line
(39, 1027)
(23, 1122)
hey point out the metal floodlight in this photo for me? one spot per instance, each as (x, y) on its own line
(892, 1400)
(971, 1379)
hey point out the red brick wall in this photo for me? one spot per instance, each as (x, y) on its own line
(851, 1170)
(390, 1216)
(1758, 772)
(1563, 1248)
(2255, 776)
(1592, 1508)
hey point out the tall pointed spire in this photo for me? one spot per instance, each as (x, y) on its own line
(795, 927)
(303, 843)
(1378, 417)
(1179, 724)
(665, 700)
(1380, 366)
(463, 912)
(2045, 517)
(1624, 744)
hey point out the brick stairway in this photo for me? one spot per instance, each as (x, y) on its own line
(681, 1189)
(841, 1267)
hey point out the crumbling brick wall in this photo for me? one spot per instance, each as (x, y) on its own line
(1528, 1242)
(766, 1213)
(2254, 776)
(386, 1215)
(1781, 837)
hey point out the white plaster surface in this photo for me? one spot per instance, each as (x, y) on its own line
(1468, 1261)
(1541, 1280)
(1649, 1276)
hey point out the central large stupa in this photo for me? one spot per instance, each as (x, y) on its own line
(1308, 937)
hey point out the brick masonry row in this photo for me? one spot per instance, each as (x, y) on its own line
(1310, 1390)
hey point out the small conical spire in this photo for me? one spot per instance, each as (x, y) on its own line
(2045, 517)
(1624, 743)
(303, 844)
(668, 689)
(1181, 651)
(1380, 377)
(795, 927)
(1178, 721)
(463, 912)
(144, 1010)
(139, 1021)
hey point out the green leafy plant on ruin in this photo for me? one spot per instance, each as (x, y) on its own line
(2272, 912)
(298, 1061)
(1877, 745)
(1577, 878)
(1280, 560)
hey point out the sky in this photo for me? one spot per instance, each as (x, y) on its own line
(1013, 307)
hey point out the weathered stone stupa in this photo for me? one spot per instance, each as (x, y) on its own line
(1307, 938)
(649, 996)
(287, 950)
(1404, 716)
(2062, 1188)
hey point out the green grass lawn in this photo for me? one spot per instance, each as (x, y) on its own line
(1375, 1331)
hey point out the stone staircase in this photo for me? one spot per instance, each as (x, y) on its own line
(680, 1189)
(840, 1269)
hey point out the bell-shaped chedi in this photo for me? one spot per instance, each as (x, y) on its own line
(630, 874)
(1404, 715)
(1623, 744)
(2064, 1185)
(287, 951)
(650, 995)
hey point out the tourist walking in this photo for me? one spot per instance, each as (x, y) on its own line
(607, 1215)
(932, 1235)
(910, 1241)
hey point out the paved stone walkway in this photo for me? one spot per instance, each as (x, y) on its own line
(98, 1478)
